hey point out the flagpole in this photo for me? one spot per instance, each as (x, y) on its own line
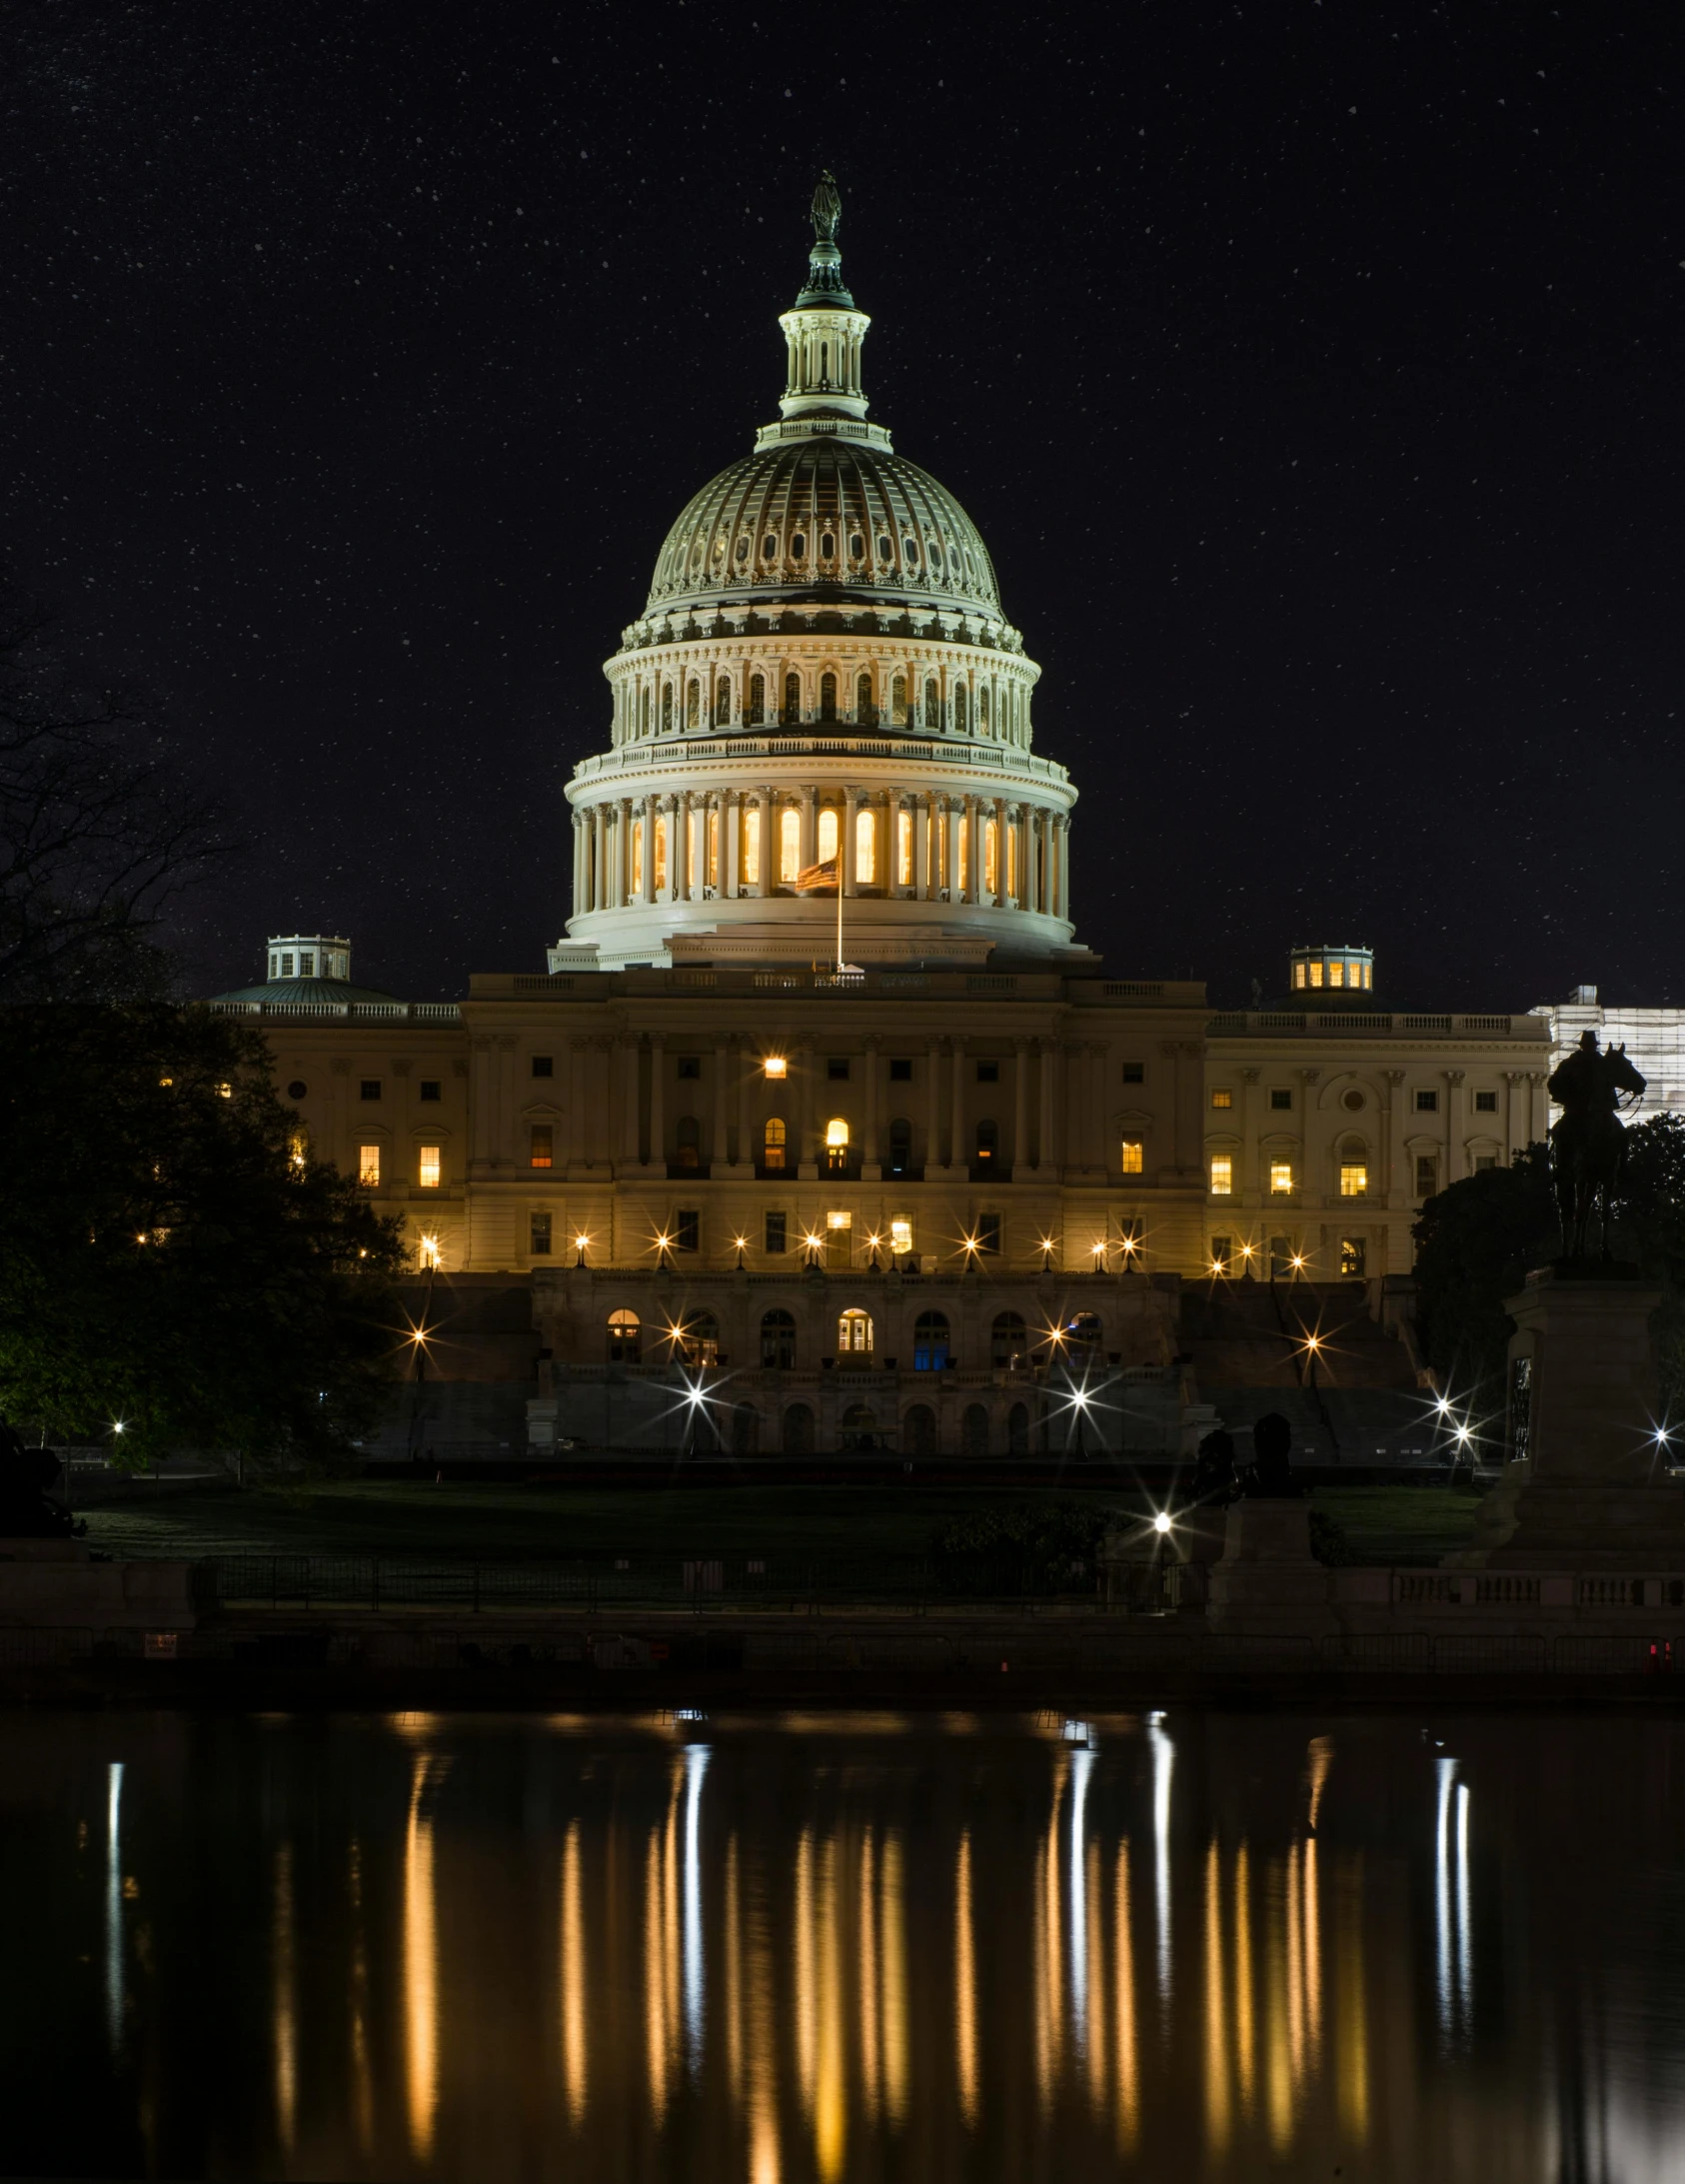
(839, 909)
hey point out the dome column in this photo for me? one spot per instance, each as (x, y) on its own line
(623, 854)
(847, 866)
(809, 838)
(954, 818)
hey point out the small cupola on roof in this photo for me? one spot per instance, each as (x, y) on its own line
(306, 970)
(1325, 970)
(309, 955)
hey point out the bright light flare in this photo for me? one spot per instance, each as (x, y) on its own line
(1161, 1523)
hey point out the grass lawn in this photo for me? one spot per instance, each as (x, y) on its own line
(357, 1517)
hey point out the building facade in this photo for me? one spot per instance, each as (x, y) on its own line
(820, 1108)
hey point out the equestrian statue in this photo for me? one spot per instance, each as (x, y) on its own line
(1589, 1141)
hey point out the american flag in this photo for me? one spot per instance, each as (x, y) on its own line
(818, 876)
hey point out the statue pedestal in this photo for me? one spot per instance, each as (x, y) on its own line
(1586, 1486)
(1266, 1579)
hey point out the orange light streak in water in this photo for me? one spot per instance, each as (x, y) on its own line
(1124, 2007)
(964, 1985)
(286, 2001)
(1278, 2064)
(1048, 1974)
(421, 1970)
(872, 2071)
(893, 1931)
(1312, 1920)
(1245, 2024)
(734, 1975)
(1217, 2116)
(1095, 1954)
(831, 2093)
(655, 1979)
(806, 2053)
(670, 1916)
(1295, 1972)
(572, 1977)
(764, 2030)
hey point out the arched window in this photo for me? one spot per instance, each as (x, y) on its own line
(626, 1340)
(713, 851)
(769, 547)
(790, 845)
(966, 855)
(932, 704)
(983, 708)
(854, 1333)
(930, 1343)
(661, 851)
(960, 708)
(757, 700)
(898, 701)
(742, 553)
(988, 1143)
(865, 848)
(696, 1342)
(991, 856)
(904, 849)
(772, 1143)
(836, 1145)
(1008, 1343)
(856, 546)
(693, 704)
(722, 702)
(828, 835)
(827, 697)
(798, 547)
(689, 1138)
(900, 1145)
(751, 874)
(644, 713)
(918, 1432)
(667, 709)
(798, 1430)
(828, 546)
(1083, 1335)
(863, 700)
(793, 700)
(777, 1341)
(637, 857)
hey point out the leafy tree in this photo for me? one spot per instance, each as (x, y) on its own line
(171, 1255)
(1474, 1244)
(98, 832)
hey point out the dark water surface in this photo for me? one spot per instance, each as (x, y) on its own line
(775, 1949)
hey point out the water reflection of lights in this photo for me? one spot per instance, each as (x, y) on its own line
(1080, 1763)
(285, 2001)
(1451, 1903)
(964, 1985)
(695, 1982)
(1163, 1761)
(421, 1966)
(574, 1983)
(114, 1904)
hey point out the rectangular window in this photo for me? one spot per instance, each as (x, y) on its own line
(1336, 973)
(1280, 1178)
(544, 1064)
(1355, 1179)
(712, 849)
(1280, 1100)
(1354, 1258)
(1298, 975)
(432, 1087)
(1222, 1099)
(1484, 1160)
(1135, 1073)
(1427, 1174)
(538, 1237)
(541, 1148)
(989, 1072)
(369, 1167)
(836, 1068)
(904, 850)
(774, 1235)
(988, 1231)
(1134, 1155)
(1427, 1102)
(369, 1087)
(286, 966)
(687, 1229)
(901, 1069)
(307, 964)
(427, 1166)
(1223, 1176)
(901, 1235)
(751, 873)
(690, 1066)
(1486, 1102)
(1316, 974)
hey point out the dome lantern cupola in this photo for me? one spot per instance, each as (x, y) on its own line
(824, 332)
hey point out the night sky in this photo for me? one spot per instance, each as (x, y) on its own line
(1314, 372)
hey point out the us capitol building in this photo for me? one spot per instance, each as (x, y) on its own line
(820, 1109)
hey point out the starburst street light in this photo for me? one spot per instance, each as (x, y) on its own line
(1096, 1251)
(816, 1244)
(664, 1247)
(1296, 1263)
(741, 1245)
(582, 1244)
(1161, 1523)
(1047, 1254)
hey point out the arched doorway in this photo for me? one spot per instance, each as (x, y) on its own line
(798, 1430)
(974, 1432)
(918, 1434)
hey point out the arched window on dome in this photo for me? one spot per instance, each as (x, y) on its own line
(828, 835)
(758, 701)
(960, 708)
(932, 704)
(828, 546)
(857, 547)
(793, 700)
(742, 550)
(991, 857)
(798, 547)
(722, 702)
(827, 697)
(693, 706)
(644, 712)
(667, 709)
(983, 708)
(769, 547)
(862, 700)
(790, 845)
(865, 848)
(898, 702)
(904, 849)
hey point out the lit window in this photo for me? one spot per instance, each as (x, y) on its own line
(991, 857)
(1011, 855)
(637, 857)
(865, 848)
(427, 1251)
(1223, 1176)
(1280, 1178)
(298, 1148)
(369, 1167)
(1222, 1100)
(426, 1167)
(1298, 975)
(776, 1065)
(837, 1133)
(712, 880)
(904, 850)
(854, 1333)
(751, 874)
(661, 851)
(773, 1145)
(1336, 973)
(900, 1235)
(1355, 1179)
(826, 835)
(841, 1218)
(1353, 1257)
(789, 846)
(625, 1338)
(1135, 1159)
(542, 1146)
(965, 859)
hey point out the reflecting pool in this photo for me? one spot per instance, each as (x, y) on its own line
(776, 1949)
